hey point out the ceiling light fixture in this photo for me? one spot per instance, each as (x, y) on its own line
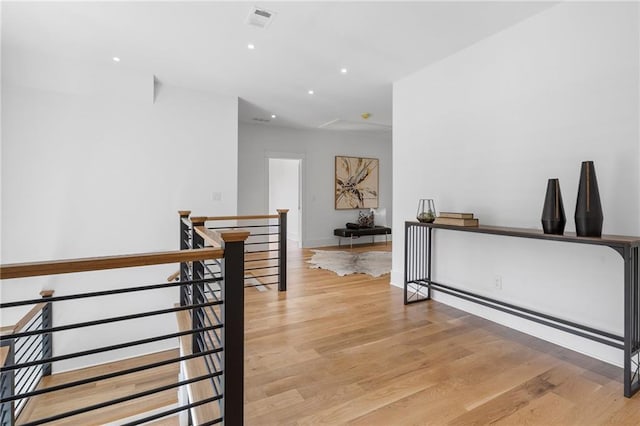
(116, 59)
(343, 70)
(311, 92)
(273, 116)
(251, 46)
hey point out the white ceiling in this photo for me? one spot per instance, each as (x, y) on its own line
(203, 45)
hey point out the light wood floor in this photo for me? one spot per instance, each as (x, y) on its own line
(337, 350)
(50, 404)
(346, 350)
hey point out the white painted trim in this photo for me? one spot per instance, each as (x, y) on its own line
(301, 196)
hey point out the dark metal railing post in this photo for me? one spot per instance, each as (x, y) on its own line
(47, 338)
(7, 387)
(197, 289)
(407, 261)
(282, 249)
(233, 331)
(185, 233)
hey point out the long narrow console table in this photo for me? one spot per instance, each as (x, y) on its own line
(418, 284)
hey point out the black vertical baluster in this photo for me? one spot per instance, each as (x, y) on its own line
(416, 257)
(47, 338)
(233, 330)
(197, 289)
(421, 256)
(414, 249)
(635, 270)
(406, 260)
(7, 409)
(282, 249)
(185, 230)
(428, 260)
(628, 321)
(636, 285)
(412, 253)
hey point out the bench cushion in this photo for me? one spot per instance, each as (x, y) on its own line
(376, 230)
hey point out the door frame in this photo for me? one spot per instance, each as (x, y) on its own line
(302, 217)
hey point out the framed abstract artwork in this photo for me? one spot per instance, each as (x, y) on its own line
(356, 183)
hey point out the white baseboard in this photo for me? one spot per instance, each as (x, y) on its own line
(397, 278)
(324, 242)
(566, 340)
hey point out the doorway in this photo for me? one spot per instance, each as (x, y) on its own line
(285, 192)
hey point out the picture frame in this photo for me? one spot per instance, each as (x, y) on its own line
(356, 182)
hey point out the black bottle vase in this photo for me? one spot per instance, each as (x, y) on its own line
(553, 218)
(588, 207)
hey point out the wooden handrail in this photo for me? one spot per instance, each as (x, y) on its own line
(216, 238)
(4, 354)
(250, 217)
(174, 276)
(33, 269)
(11, 329)
(22, 323)
(213, 238)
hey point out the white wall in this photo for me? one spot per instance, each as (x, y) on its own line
(319, 148)
(284, 192)
(92, 166)
(484, 129)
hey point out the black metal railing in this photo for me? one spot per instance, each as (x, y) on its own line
(265, 248)
(26, 350)
(20, 386)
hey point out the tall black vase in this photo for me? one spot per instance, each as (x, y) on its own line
(553, 218)
(588, 207)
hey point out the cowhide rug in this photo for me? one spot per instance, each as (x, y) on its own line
(374, 263)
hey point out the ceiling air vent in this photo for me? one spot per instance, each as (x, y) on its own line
(261, 120)
(260, 17)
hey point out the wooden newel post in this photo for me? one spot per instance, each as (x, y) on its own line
(185, 236)
(282, 249)
(197, 289)
(233, 331)
(47, 338)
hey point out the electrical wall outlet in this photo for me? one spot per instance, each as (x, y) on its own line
(497, 282)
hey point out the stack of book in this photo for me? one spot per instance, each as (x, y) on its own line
(456, 219)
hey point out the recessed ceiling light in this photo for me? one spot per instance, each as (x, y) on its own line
(343, 70)
(310, 92)
(116, 59)
(251, 46)
(273, 116)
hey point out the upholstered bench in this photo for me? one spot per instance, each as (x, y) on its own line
(357, 233)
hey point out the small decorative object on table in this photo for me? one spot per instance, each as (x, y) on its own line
(456, 219)
(365, 219)
(588, 214)
(426, 211)
(553, 218)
